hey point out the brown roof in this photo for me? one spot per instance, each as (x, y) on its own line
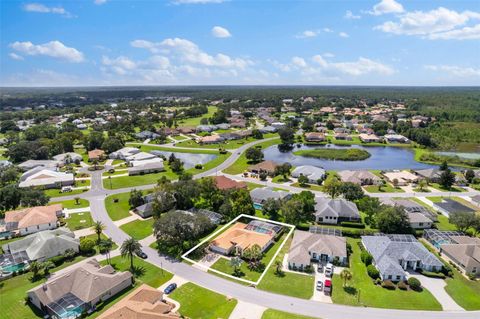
(144, 302)
(314, 136)
(240, 237)
(466, 254)
(267, 166)
(96, 153)
(224, 183)
(33, 216)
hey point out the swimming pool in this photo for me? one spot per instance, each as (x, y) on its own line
(13, 268)
(257, 206)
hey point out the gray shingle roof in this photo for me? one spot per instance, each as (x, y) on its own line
(335, 207)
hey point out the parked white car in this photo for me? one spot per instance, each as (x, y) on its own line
(329, 270)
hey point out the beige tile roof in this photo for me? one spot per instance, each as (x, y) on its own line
(33, 216)
(238, 236)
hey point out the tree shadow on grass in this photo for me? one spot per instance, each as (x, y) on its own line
(139, 271)
(350, 290)
(279, 274)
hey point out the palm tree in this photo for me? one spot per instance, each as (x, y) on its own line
(236, 262)
(128, 249)
(77, 200)
(106, 246)
(46, 266)
(422, 183)
(278, 267)
(346, 275)
(98, 227)
(35, 268)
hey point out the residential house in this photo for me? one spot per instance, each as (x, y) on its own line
(449, 206)
(154, 165)
(81, 288)
(140, 158)
(401, 178)
(205, 128)
(124, 153)
(265, 166)
(308, 247)
(334, 211)
(260, 195)
(215, 218)
(369, 138)
(225, 183)
(267, 129)
(211, 139)
(431, 175)
(33, 219)
(68, 158)
(146, 135)
(30, 164)
(95, 155)
(393, 255)
(144, 302)
(342, 136)
(396, 138)
(44, 244)
(46, 178)
(186, 129)
(419, 216)
(314, 137)
(359, 177)
(278, 125)
(313, 173)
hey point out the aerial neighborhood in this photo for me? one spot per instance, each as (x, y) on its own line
(137, 207)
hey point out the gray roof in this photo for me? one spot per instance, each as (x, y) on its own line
(146, 167)
(305, 242)
(259, 195)
(312, 172)
(357, 176)
(387, 251)
(36, 163)
(45, 244)
(335, 207)
(429, 173)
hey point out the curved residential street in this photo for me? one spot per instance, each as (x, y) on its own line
(96, 195)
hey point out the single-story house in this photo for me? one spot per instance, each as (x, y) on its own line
(260, 195)
(67, 158)
(225, 183)
(419, 216)
(334, 211)
(313, 173)
(448, 206)
(215, 218)
(402, 178)
(31, 164)
(393, 255)
(186, 129)
(95, 154)
(80, 289)
(144, 302)
(210, 139)
(265, 166)
(154, 165)
(267, 129)
(314, 137)
(396, 138)
(123, 153)
(342, 136)
(46, 177)
(278, 125)
(146, 134)
(464, 251)
(205, 128)
(44, 245)
(33, 219)
(139, 158)
(307, 247)
(359, 177)
(369, 138)
(146, 210)
(430, 174)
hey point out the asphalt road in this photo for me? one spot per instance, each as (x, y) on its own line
(96, 195)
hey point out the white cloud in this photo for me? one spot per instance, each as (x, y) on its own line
(40, 8)
(220, 32)
(349, 15)
(439, 23)
(99, 2)
(328, 55)
(363, 66)
(299, 62)
(187, 51)
(55, 49)
(196, 1)
(15, 56)
(327, 30)
(343, 34)
(307, 34)
(387, 6)
(455, 70)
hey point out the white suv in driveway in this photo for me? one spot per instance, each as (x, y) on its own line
(329, 270)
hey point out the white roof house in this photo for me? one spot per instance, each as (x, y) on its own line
(313, 173)
(68, 157)
(46, 177)
(37, 163)
(138, 157)
(124, 153)
(153, 165)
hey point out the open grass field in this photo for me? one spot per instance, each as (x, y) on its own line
(148, 148)
(78, 221)
(139, 229)
(54, 192)
(195, 121)
(233, 144)
(376, 296)
(71, 203)
(388, 188)
(137, 180)
(200, 303)
(241, 164)
(120, 209)
(443, 189)
(276, 314)
(287, 283)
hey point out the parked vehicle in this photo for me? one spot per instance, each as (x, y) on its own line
(329, 270)
(319, 285)
(320, 268)
(328, 287)
(170, 288)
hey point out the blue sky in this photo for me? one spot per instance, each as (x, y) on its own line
(171, 42)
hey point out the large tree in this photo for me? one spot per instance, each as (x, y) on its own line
(254, 154)
(447, 178)
(351, 191)
(287, 136)
(463, 220)
(393, 220)
(332, 186)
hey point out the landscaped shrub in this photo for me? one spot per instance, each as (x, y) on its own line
(57, 260)
(336, 261)
(373, 272)
(198, 166)
(353, 225)
(86, 245)
(433, 274)
(402, 285)
(366, 257)
(308, 269)
(356, 233)
(378, 281)
(388, 284)
(414, 283)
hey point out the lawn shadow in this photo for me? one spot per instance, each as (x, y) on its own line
(350, 290)
(139, 271)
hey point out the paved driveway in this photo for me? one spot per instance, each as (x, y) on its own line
(437, 287)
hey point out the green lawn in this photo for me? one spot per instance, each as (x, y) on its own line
(195, 121)
(117, 171)
(211, 164)
(287, 283)
(137, 180)
(376, 296)
(233, 144)
(241, 164)
(348, 154)
(139, 229)
(120, 209)
(385, 189)
(148, 274)
(54, 192)
(71, 203)
(200, 303)
(435, 199)
(312, 187)
(444, 224)
(443, 189)
(78, 221)
(148, 148)
(276, 314)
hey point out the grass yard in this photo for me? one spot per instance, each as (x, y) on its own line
(444, 224)
(211, 164)
(276, 314)
(195, 121)
(54, 192)
(385, 189)
(200, 303)
(120, 209)
(78, 221)
(232, 144)
(287, 283)
(71, 203)
(311, 187)
(137, 180)
(146, 272)
(443, 189)
(139, 229)
(435, 199)
(241, 164)
(376, 296)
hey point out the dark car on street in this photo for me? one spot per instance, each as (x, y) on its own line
(170, 288)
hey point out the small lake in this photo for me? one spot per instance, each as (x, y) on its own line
(189, 159)
(381, 158)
